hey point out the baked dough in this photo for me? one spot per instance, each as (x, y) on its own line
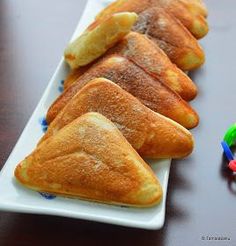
(98, 38)
(76, 162)
(151, 134)
(196, 7)
(150, 91)
(172, 37)
(190, 13)
(146, 54)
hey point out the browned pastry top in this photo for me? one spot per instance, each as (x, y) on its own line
(136, 81)
(171, 36)
(76, 162)
(146, 54)
(151, 134)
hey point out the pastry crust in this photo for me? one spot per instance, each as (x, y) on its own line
(187, 13)
(137, 82)
(196, 7)
(98, 38)
(85, 169)
(74, 74)
(151, 134)
(172, 37)
(146, 54)
(190, 13)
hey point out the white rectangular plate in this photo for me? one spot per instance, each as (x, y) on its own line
(19, 199)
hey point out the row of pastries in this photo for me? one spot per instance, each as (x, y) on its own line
(125, 99)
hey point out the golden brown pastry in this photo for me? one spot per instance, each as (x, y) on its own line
(172, 37)
(74, 74)
(137, 82)
(146, 54)
(190, 13)
(196, 7)
(98, 164)
(151, 134)
(98, 38)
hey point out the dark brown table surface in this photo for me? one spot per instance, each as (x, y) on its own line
(201, 198)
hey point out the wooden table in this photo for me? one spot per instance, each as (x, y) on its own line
(201, 194)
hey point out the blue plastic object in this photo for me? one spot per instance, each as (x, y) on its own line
(227, 151)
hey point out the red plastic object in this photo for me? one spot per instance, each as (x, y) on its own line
(232, 165)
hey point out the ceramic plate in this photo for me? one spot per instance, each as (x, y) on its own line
(16, 198)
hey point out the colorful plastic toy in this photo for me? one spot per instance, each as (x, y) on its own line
(230, 135)
(229, 141)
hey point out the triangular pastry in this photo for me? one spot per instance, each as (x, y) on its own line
(98, 38)
(172, 37)
(146, 54)
(74, 74)
(151, 134)
(196, 7)
(90, 159)
(151, 92)
(190, 13)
